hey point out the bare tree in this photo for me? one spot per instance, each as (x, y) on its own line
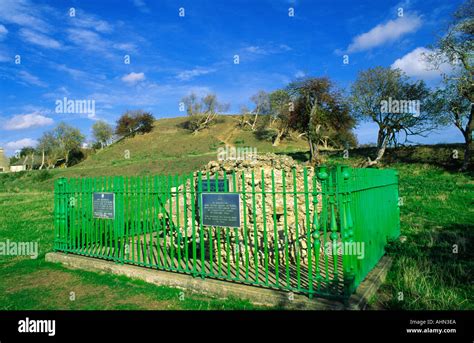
(387, 97)
(202, 114)
(456, 47)
(262, 106)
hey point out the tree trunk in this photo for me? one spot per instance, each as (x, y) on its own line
(311, 152)
(32, 161)
(315, 152)
(380, 138)
(380, 153)
(42, 160)
(277, 140)
(254, 121)
(469, 149)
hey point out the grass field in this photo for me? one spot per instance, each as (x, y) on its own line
(437, 217)
(35, 284)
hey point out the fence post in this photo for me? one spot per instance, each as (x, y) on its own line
(322, 176)
(60, 214)
(347, 232)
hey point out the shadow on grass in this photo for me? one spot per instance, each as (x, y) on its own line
(432, 269)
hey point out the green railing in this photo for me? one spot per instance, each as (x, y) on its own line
(298, 230)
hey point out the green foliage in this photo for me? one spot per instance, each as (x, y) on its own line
(375, 87)
(132, 122)
(264, 133)
(43, 175)
(58, 144)
(456, 47)
(320, 111)
(102, 132)
(47, 144)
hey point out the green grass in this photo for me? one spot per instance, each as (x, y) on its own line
(436, 217)
(38, 285)
(168, 149)
(33, 284)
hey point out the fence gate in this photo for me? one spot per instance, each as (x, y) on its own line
(317, 233)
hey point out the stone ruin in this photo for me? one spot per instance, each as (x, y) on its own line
(280, 230)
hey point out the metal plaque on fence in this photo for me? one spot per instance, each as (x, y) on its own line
(210, 186)
(103, 205)
(221, 209)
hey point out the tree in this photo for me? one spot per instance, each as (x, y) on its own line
(244, 113)
(451, 107)
(262, 105)
(319, 108)
(202, 114)
(48, 147)
(397, 105)
(125, 124)
(67, 139)
(135, 121)
(456, 47)
(27, 153)
(102, 132)
(145, 122)
(281, 109)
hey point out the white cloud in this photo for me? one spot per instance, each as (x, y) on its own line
(39, 39)
(3, 32)
(192, 73)
(31, 79)
(88, 21)
(414, 64)
(17, 145)
(75, 73)
(385, 33)
(300, 74)
(141, 5)
(268, 49)
(23, 13)
(133, 78)
(253, 49)
(87, 39)
(125, 46)
(26, 121)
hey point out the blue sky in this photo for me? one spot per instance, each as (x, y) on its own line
(81, 57)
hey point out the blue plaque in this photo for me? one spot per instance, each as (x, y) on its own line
(222, 185)
(103, 205)
(220, 209)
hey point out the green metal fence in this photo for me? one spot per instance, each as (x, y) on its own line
(317, 233)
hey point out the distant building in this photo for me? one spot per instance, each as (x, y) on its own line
(4, 162)
(17, 168)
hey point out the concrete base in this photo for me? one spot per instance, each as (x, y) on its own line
(224, 289)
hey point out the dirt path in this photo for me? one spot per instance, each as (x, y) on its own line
(226, 135)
